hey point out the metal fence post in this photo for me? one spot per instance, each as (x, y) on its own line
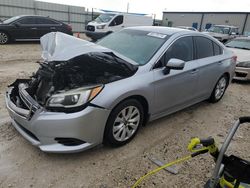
(69, 14)
(35, 7)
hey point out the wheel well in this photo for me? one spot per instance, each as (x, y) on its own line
(144, 104)
(228, 77)
(6, 32)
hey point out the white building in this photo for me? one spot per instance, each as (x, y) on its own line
(203, 20)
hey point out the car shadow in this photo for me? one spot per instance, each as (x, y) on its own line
(243, 82)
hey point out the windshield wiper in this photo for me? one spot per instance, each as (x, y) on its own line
(244, 48)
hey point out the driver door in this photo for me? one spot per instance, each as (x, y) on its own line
(177, 89)
(117, 23)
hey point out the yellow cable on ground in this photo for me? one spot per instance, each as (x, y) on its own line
(160, 168)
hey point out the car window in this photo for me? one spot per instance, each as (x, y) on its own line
(117, 21)
(204, 47)
(45, 21)
(28, 21)
(104, 18)
(180, 49)
(217, 49)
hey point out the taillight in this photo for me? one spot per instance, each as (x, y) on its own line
(234, 59)
(69, 27)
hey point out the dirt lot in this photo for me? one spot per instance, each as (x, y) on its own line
(22, 165)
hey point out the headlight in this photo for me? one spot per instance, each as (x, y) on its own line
(245, 64)
(100, 26)
(73, 98)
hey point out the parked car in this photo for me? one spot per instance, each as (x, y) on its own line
(241, 47)
(223, 32)
(30, 28)
(85, 94)
(107, 23)
(187, 27)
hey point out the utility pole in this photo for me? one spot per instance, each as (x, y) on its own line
(127, 7)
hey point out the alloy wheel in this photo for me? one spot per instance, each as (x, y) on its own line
(3, 38)
(126, 123)
(220, 88)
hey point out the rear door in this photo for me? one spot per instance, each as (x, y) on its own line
(210, 59)
(47, 25)
(178, 88)
(25, 28)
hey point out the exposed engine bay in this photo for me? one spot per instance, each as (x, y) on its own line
(89, 69)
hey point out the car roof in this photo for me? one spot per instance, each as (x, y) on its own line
(21, 16)
(161, 29)
(226, 26)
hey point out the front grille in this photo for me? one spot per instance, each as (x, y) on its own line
(240, 74)
(69, 141)
(27, 131)
(90, 28)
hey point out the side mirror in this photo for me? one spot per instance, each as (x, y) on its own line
(175, 64)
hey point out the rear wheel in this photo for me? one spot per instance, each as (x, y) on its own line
(219, 89)
(123, 123)
(4, 38)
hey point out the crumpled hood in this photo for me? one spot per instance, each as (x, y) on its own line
(242, 55)
(57, 46)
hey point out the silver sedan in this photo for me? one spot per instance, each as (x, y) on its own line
(85, 94)
(241, 47)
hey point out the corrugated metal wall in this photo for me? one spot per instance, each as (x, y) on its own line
(78, 17)
(242, 20)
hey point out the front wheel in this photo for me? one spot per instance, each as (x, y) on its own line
(123, 122)
(4, 38)
(219, 89)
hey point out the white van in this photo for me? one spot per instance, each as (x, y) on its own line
(107, 23)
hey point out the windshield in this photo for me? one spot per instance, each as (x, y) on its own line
(219, 29)
(239, 43)
(104, 18)
(137, 45)
(11, 20)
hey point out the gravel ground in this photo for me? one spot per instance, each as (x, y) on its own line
(23, 165)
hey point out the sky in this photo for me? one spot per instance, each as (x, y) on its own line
(158, 6)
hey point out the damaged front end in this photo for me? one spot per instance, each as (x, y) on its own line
(69, 86)
(73, 72)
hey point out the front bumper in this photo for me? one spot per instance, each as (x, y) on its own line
(95, 35)
(46, 130)
(242, 73)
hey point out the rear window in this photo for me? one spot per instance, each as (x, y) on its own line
(137, 45)
(204, 47)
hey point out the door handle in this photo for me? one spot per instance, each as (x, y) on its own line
(123, 26)
(220, 62)
(194, 71)
(52, 28)
(33, 28)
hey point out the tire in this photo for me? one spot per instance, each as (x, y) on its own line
(4, 38)
(123, 123)
(219, 89)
